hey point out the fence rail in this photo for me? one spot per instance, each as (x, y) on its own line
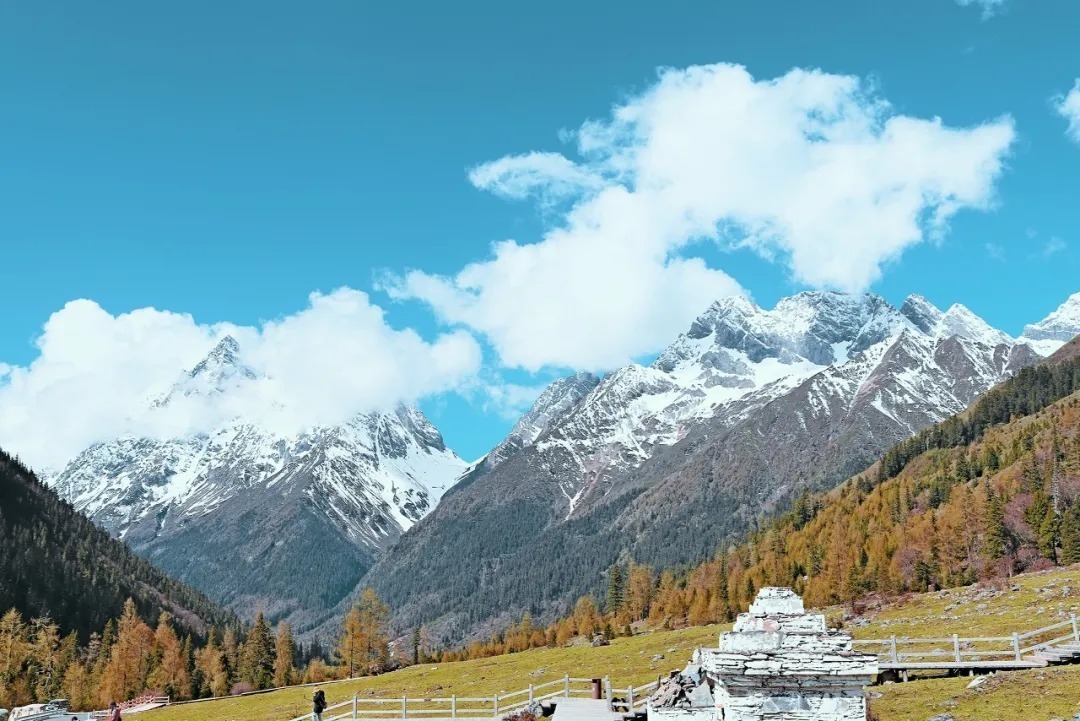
(974, 652)
(465, 708)
(134, 703)
(898, 653)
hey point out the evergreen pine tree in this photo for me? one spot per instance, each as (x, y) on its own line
(997, 535)
(1070, 535)
(259, 651)
(615, 590)
(1049, 531)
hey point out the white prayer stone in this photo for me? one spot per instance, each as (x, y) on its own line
(782, 664)
(773, 600)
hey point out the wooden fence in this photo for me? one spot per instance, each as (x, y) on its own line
(1013, 651)
(126, 706)
(462, 708)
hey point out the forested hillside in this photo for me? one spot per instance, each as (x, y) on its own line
(989, 493)
(54, 562)
(661, 464)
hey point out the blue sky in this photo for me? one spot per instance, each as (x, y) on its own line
(225, 160)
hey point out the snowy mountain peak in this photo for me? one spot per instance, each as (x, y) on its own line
(555, 400)
(218, 373)
(923, 314)
(732, 304)
(225, 353)
(960, 321)
(1056, 329)
(551, 407)
(820, 327)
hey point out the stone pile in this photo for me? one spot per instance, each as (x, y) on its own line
(686, 696)
(782, 664)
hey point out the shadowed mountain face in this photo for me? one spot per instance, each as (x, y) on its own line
(54, 562)
(258, 519)
(661, 464)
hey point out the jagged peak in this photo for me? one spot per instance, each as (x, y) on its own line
(811, 307)
(734, 303)
(959, 320)
(923, 314)
(226, 353)
(1056, 329)
(220, 369)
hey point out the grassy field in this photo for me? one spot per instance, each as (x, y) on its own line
(1036, 695)
(1026, 602)
(1039, 600)
(626, 661)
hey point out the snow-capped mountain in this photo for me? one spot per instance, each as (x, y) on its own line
(1056, 329)
(243, 490)
(738, 357)
(549, 410)
(661, 462)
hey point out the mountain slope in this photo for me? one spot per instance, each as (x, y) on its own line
(738, 416)
(990, 492)
(257, 518)
(55, 562)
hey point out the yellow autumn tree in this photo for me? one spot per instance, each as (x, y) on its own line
(170, 675)
(130, 659)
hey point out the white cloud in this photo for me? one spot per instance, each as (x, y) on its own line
(990, 8)
(520, 176)
(810, 168)
(96, 373)
(1068, 107)
(503, 398)
(1053, 246)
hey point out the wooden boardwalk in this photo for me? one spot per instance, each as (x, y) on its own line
(584, 709)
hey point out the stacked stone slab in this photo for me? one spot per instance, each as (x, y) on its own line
(686, 696)
(783, 664)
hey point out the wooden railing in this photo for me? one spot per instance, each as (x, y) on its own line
(972, 651)
(140, 701)
(636, 698)
(484, 707)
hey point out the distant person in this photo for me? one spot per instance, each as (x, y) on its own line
(318, 705)
(114, 712)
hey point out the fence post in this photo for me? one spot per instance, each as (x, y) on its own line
(607, 685)
(354, 708)
(956, 647)
(532, 695)
(1016, 645)
(566, 681)
(1076, 629)
(496, 704)
(892, 644)
(404, 707)
(630, 698)
(453, 707)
